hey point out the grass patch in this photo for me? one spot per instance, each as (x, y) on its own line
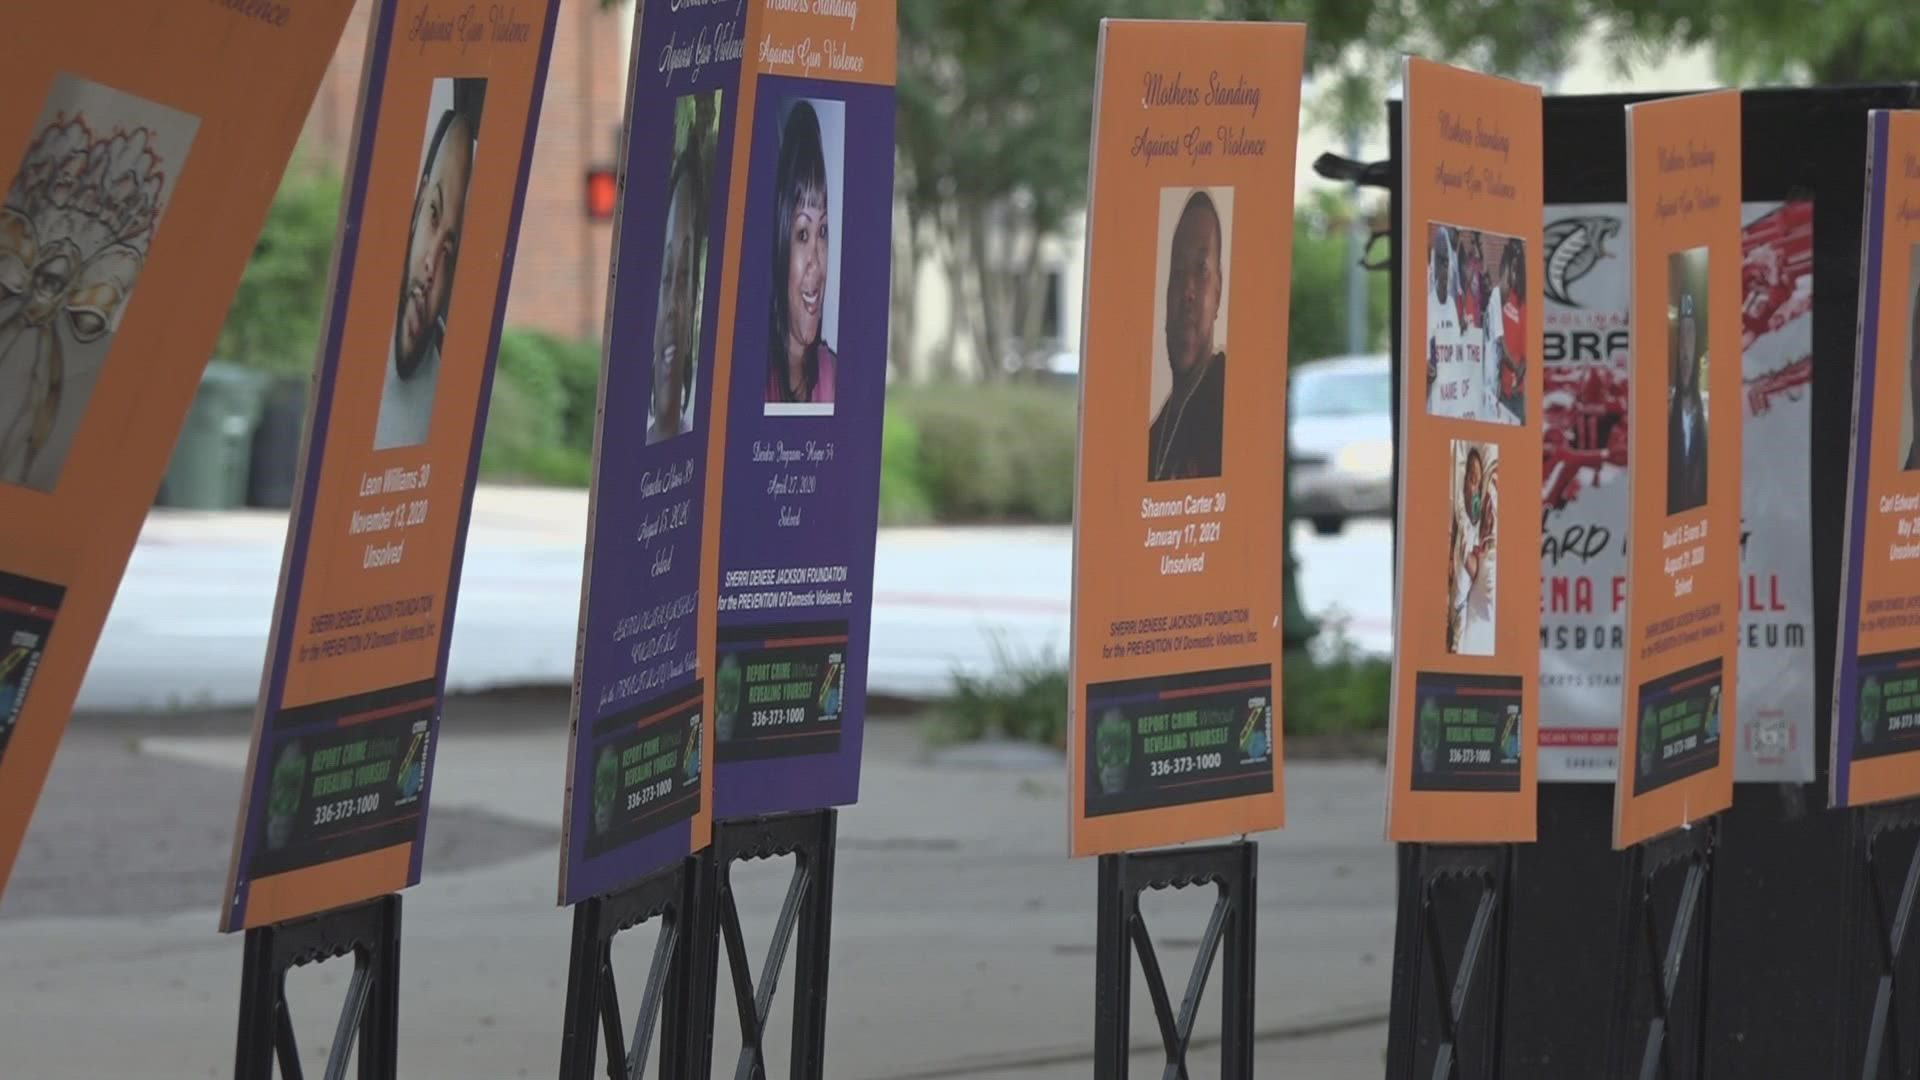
(1023, 698)
(1341, 691)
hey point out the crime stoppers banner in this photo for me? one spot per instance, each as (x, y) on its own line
(1583, 554)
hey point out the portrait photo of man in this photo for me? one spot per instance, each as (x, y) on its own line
(434, 232)
(1686, 404)
(1189, 380)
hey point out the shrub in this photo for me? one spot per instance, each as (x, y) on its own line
(1343, 690)
(274, 322)
(993, 452)
(540, 420)
(903, 496)
(1022, 699)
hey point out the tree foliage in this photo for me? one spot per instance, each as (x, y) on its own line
(991, 128)
(1317, 322)
(995, 104)
(274, 323)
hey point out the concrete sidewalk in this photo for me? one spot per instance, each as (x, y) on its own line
(963, 938)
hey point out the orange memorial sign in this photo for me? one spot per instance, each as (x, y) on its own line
(1175, 728)
(1876, 715)
(347, 729)
(141, 144)
(1466, 661)
(1683, 523)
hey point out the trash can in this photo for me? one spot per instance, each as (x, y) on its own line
(276, 442)
(210, 463)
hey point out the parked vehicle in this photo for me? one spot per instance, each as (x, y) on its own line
(1340, 437)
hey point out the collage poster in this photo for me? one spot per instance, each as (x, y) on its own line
(638, 786)
(1175, 730)
(1684, 418)
(1876, 716)
(1583, 560)
(1460, 761)
(345, 735)
(800, 505)
(140, 147)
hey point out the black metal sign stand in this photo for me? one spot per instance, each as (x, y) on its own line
(1450, 962)
(370, 1016)
(1881, 1040)
(1661, 992)
(807, 910)
(1231, 869)
(593, 1001)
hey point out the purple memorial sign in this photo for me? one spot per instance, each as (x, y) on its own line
(634, 798)
(800, 505)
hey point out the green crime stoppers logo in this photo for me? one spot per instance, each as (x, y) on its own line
(1870, 700)
(1428, 734)
(606, 787)
(1113, 749)
(1649, 738)
(726, 697)
(284, 794)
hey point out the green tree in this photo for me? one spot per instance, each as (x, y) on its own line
(991, 127)
(274, 323)
(1317, 325)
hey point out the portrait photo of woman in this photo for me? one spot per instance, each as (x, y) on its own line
(803, 319)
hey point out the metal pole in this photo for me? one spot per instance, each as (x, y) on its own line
(1356, 251)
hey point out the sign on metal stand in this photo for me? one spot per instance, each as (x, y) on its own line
(1799, 149)
(1464, 718)
(1175, 733)
(1683, 587)
(1876, 694)
(640, 779)
(368, 1029)
(795, 484)
(339, 773)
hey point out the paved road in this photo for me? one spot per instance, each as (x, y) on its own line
(188, 629)
(962, 937)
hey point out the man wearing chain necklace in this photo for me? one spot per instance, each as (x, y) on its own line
(1184, 441)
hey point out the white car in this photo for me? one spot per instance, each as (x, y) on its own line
(1340, 437)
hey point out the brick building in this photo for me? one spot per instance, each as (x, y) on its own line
(560, 272)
